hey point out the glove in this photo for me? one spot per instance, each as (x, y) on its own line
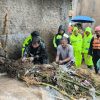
(60, 62)
(31, 59)
(37, 56)
(24, 59)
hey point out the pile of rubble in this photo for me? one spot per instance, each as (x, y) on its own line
(70, 82)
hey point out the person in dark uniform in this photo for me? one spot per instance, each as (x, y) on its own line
(61, 33)
(94, 49)
(29, 39)
(36, 52)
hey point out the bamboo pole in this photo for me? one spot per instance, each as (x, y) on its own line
(30, 81)
(60, 91)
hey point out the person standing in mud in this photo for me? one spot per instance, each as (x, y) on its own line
(85, 47)
(94, 49)
(76, 42)
(36, 52)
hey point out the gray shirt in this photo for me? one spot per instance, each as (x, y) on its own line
(65, 52)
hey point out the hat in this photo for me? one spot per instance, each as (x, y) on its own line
(75, 29)
(88, 29)
(35, 33)
(97, 28)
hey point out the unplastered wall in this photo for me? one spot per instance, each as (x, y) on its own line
(92, 8)
(25, 16)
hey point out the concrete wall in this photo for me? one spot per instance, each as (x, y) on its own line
(25, 16)
(87, 7)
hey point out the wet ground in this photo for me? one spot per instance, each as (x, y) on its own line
(12, 89)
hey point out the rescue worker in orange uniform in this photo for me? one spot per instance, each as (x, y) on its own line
(94, 49)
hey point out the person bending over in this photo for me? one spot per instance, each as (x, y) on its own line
(36, 52)
(64, 53)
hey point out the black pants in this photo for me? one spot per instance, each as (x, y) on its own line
(95, 59)
(40, 61)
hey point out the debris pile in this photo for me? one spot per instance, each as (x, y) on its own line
(2, 65)
(67, 81)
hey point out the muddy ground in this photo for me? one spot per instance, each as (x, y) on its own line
(13, 89)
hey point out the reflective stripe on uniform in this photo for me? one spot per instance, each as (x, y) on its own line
(55, 39)
(25, 43)
(96, 43)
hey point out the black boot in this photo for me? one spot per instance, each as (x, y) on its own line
(96, 70)
(90, 66)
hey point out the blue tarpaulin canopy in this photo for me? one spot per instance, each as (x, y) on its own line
(83, 19)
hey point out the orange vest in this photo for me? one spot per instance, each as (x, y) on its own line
(96, 43)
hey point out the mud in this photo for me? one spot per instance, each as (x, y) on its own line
(12, 89)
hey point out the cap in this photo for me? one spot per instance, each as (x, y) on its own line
(35, 33)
